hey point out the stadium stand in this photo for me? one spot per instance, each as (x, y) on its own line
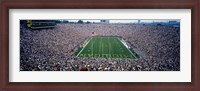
(53, 50)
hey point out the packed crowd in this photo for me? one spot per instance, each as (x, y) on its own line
(54, 49)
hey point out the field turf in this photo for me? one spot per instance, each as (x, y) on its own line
(105, 47)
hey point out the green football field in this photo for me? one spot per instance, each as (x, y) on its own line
(105, 47)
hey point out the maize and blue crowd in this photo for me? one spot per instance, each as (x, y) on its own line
(54, 49)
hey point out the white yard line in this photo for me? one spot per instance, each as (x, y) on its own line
(84, 47)
(108, 45)
(92, 47)
(127, 48)
(100, 47)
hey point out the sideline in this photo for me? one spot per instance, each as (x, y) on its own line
(83, 48)
(127, 48)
